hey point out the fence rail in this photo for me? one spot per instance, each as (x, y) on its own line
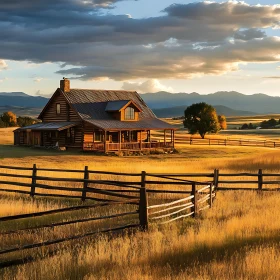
(108, 188)
(154, 193)
(184, 207)
(229, 142)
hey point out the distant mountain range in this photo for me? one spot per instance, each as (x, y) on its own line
(220, 109)
(21, 99)
(257, 103)
(164, 104)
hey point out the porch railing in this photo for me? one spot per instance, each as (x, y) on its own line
(135, 146)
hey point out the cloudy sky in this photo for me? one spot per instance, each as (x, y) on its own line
(144, 45)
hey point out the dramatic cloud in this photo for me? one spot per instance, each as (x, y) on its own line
(187, 40)
(234, 13)
(62, 4)
(183, 61)
(249, 34)
(149, 86)
(3, 64)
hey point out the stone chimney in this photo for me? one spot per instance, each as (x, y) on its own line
(65, 85)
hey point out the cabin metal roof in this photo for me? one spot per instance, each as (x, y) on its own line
(153, 124)
(92, 106)
(93, 102)
(116, 105)
(49, 126)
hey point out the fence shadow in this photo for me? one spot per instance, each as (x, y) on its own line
(203, 254)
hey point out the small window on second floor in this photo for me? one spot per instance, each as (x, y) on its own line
(129, 113)
(58, 108)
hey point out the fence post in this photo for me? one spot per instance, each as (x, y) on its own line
(194, 200)
(260, 179)
(86, 177)
(216, 178)
(143, 204)
(211, 195)
(33, 184)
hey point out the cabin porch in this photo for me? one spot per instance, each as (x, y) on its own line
(129, 140)
(58, 134)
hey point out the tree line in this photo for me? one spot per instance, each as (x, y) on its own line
(272, 123)
(9, 119)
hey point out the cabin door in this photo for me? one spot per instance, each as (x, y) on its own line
(70, 136)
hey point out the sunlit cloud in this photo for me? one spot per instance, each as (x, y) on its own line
(3, 64)
(149, 86)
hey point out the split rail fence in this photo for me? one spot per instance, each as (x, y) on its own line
(229, 142)
(145, 197)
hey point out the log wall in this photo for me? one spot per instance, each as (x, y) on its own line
(66, 112)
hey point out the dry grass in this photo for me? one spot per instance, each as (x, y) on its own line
(7, 136)
(228, 242)
(237, 239)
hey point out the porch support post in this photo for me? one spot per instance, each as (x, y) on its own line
(105, 137)
(120, 140)
(150, 139)
(141, 140)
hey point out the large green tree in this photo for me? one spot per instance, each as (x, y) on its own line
(201, 118)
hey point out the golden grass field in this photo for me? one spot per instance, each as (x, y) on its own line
(239, 238)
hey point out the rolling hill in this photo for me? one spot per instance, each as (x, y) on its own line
(258, 103)
(164, 104)
(220, 109)
(20, 99)
(32, 112)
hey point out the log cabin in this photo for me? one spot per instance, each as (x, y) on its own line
(96, 120)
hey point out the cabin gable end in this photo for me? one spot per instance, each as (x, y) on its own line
(58, 110)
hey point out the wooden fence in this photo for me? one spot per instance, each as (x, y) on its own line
(143, 190)
(160, 198)
(195, 203)
(229, 142)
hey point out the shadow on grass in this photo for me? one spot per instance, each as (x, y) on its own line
(205, 254)
(9, 151)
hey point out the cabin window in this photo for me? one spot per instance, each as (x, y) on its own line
(58, 108)
(129, 113)
(97, 136)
